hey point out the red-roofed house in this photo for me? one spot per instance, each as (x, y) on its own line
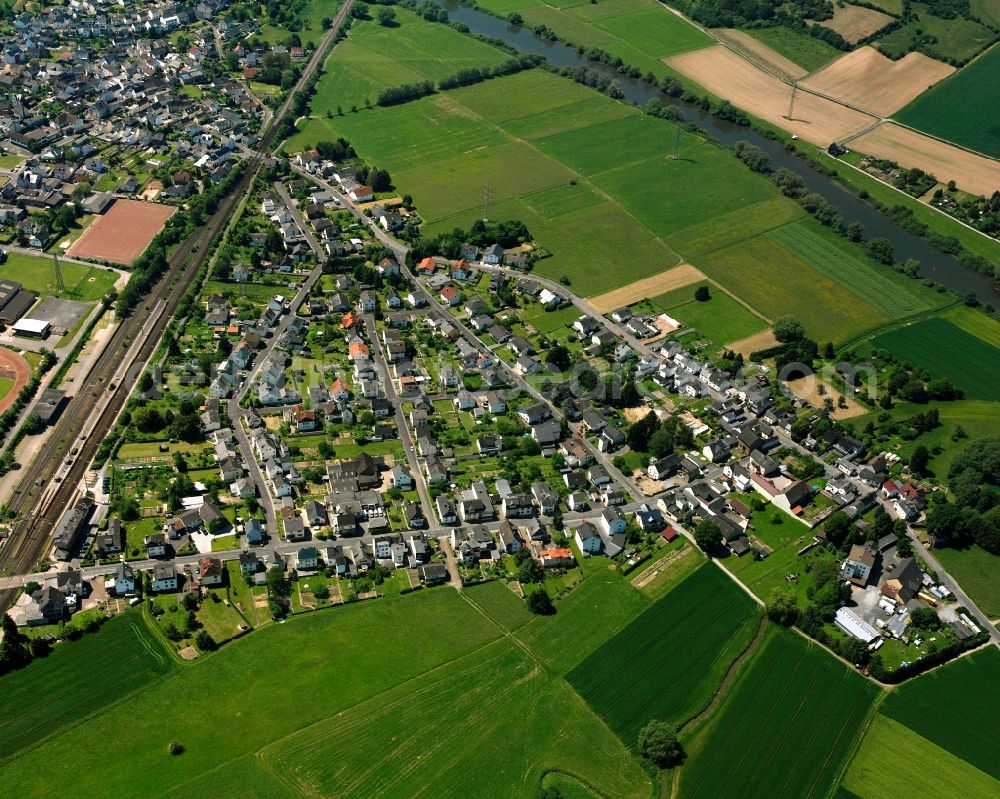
(210, 571)
(668, 534)
(427, 266)
(460, 270)
(347, 321)
(557, 558)
(889, 489)
(357, 350)
(362, 194)
(451, 295)
(340, 391)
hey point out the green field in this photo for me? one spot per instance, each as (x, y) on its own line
(6, 384)
(895, 295)
(312, 27)
(640, 32)
(785, 729)
(957, 38)
(977, 571)
(946, 350)
(797, 46)
(374, 57)
(669, 661)
(888, 742)
(9, 161)
(83, 283)
(721, 318)
(776, 282)
(439, 732)
(955, 707)
(498, 602)
(75, 681)
(254, 691)
(962, 108)
(988, 11)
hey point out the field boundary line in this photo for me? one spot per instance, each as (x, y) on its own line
(852, 751)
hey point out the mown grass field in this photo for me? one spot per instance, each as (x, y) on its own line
(6, 384)
(83, 283)
(76, 680)
(784, 729)
(962, 108)
(312, 23)
(956, 708)
(435, 735)
(720, 318)
(500, 604)
(977, 571)
(669, 660)
(896, 296)
(889, 742)
(946, 350)
(776, 281)
(807, 51)
(230, 704)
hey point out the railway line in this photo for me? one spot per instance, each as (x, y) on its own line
(53, 479)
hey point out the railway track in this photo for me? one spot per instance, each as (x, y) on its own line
(39, 500)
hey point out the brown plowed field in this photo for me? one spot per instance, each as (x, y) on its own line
(14, 366)
(726, 74)
(678, 277)
(972, 173)
(855, 23)
(123, 233)
(869, 80)
(760, 52)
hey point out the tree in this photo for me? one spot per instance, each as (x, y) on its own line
(14, 651)
(321, 592)
(925, 619)
(530, 571)
(385, 16)
(855, 231)
(880, 250)
(781, 607)
(702, 294)
(919, 459)
(707, 536)
(205, 642)
(33, 424)
(276, 580)
(540, 603)
(174, 748)
(854, 650)
(787, 329)
(838, 529)
(659, 744)
(558, 356)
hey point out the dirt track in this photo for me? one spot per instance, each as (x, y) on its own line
(675, 278)
(743, 41)
(973, 173)
(855, 22)
(868, 79)
(726, 74)
(13, 365)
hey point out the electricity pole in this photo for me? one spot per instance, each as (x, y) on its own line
(791, 103)
(59, 277)
(487, 192)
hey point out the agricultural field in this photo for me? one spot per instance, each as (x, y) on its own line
(799, 47)
(374, 57)
(867, 79)
(855, 22)
(785, 728)
(669, 661)
(946, 350)
(888, 741)
(83, 283)
(77, 679)
(757, 51)
(988, 11)
(962, 108)
(501, 604)
(429, 731)
(977, 571)
(955, 707)
(720, 318)
(894, 295)
(336, 668)
(775, 282)
(640, 32)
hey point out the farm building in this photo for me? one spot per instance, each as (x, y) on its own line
(852, 624)
(33, 328)
(14, 301)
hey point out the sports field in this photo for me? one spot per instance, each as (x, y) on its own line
(122, 233)
(15, 373)
(955, 707)
(888, 741)
(490, 724)
(946, 350)
(83, 283)
(962, 109)
(785, 728)
(775, 281)
(669, 661)
(76, 680)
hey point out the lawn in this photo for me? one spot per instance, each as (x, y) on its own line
(6, 384)
(501, 604)
(962, 108)
(669, 661)
(336, 666)
(312, 22)
(428, 737)
(375, 57)
(776, 282)
(9, 161)
(595, 610)
(78, 679)
(889, 742)
(946, 350)
(955, 707)
(785, 728)
(797, 46)
(894, 295)
(83, 283)
(720, 318)
(977, 571)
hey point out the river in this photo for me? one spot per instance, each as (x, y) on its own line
(933, 264)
